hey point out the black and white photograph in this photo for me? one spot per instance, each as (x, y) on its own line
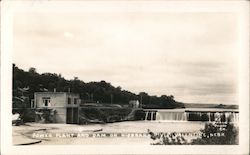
(127, 73)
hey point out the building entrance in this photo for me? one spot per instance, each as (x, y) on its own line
(72, 116)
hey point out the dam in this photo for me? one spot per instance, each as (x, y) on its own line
(192, 114)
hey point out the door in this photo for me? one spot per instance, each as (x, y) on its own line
(72, 116)
(75, 115)
(69, 117)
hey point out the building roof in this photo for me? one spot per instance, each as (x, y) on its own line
(55, 93)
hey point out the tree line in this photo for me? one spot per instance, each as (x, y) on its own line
(26, 83)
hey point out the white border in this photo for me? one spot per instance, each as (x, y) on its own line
(7, 9)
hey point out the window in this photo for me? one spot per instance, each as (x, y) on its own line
(75, 100)
(69, 100)
(46, 101)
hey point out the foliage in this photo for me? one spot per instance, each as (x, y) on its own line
(217, 134)
(100, 92)
(47, 115)
(27, 115)
(167, 139)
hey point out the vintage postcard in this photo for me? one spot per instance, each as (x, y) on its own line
(124, 77)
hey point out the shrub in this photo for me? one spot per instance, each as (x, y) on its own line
(218, 134)
(167, 139)
(27, 115)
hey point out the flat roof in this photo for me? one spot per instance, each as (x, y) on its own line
(55, 93)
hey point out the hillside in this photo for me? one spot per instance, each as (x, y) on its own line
(196, 105)
(25, 83)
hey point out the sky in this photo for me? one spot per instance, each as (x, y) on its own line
(192, 56)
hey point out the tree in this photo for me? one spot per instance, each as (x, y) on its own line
(32, 70)
(76, 78)
(101, 91)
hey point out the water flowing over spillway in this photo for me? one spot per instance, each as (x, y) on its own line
(165, 116)
(171, 116)
(191, 115)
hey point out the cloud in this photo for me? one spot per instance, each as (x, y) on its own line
(190, 55)
(68, 35)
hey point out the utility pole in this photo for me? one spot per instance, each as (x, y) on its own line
(141, 102)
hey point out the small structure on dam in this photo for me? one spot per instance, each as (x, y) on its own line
(192, 114)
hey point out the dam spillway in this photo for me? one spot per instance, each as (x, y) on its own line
(192, 114)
